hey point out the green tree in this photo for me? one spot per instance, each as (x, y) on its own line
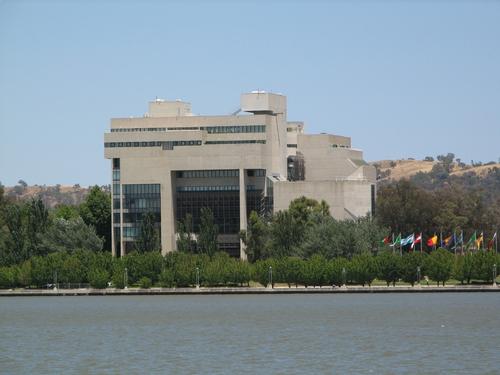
(70, 235)
(148, 239)
(286, 235)
(290, 270)
(255, 237)
(363, 269)
(334, 271)
(167, 278)
(483, 265)
(185, 241)
(389, 267)
(96, 211)
(37, 222)
(463, 267)
(207, 239)
(439, 265)
(315, 271)
(66, 211)
(409, 264)
(16, 247)
(145, 283)
(98, 278)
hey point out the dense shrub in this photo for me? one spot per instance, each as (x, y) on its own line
(439, 265)
(7, 277)
(145, 282)
(389, 267)
(166, 278)
(409, 265)
(98, 278)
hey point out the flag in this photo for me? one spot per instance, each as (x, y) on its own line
(408, 240)
(448, 241)
(417, 239)
(472, 240)
(432, 241)
(387, 240)
(397, 241)
(492, 241)
(479, 240)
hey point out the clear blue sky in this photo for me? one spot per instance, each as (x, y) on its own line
(403, 79)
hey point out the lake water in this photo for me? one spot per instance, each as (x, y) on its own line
(455, 333)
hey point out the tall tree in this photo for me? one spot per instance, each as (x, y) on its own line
(37, 222)
(70, 235)
(185, 242)
(148, 239)
(255, 237)
(96, 211)
(207, 239)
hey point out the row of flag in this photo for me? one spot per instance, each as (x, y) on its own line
(452, 241)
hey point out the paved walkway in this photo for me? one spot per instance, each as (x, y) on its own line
(245, 290)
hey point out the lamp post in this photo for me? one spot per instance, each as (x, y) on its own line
(125, 278)
(418, 275)
(343, 277)
(197, 278)
(495, 274)
(271, 276)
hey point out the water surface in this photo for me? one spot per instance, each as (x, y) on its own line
(455, 333)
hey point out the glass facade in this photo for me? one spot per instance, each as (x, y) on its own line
(139, 199)
(235, 129)
(208, 173)
(116, 205)
(152, 143)
(236, 142)
(225, 206)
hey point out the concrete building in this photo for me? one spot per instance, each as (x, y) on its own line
(172, 163)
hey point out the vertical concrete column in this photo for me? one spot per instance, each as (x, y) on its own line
(168, 242)
(123, 252)
(243, 209)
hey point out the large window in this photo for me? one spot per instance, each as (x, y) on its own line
(170, 144)
(235, 129)
(139, 199)
(225, 206)
(208, 173)
(235, 142)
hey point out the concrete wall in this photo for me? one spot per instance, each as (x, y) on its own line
(355, 196)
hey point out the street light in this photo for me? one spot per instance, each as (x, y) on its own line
(271, 276)
(418, 275)
(343, 277)
(125, 278)
(495, 274)
(197, 277)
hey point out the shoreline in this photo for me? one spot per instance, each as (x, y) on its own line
(245, 290)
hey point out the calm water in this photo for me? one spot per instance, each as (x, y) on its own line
(313, 334)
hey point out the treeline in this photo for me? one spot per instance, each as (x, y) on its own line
(28, 228)
(306, 228)
(178, 269)
(441, 201)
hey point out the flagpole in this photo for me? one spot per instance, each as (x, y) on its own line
(462, 241)
(455, 241)
(400, 246)
(496, 241)
(393, 243)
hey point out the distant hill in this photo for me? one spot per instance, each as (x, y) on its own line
(407, 168)
(50, 195)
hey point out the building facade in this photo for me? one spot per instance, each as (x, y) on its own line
(172, 163)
